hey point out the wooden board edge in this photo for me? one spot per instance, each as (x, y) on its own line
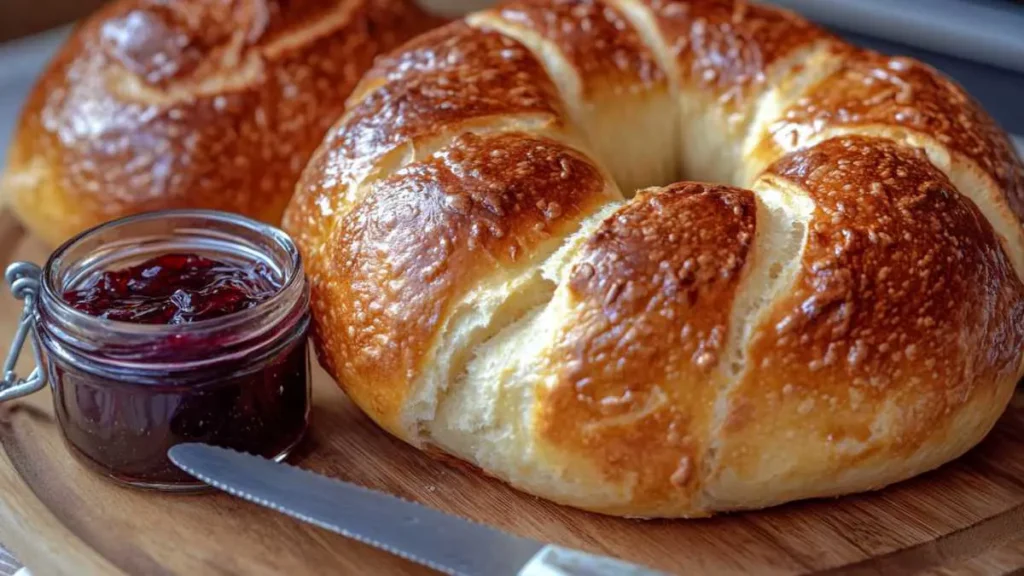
(36, 537)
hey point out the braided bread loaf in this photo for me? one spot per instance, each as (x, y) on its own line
(191, 104)
(846, 313)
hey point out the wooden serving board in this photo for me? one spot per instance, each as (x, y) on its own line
(57, 517)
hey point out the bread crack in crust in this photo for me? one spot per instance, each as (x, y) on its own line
(152, 105)
(843, 311)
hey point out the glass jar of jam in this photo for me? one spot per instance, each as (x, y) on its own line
(168, 327)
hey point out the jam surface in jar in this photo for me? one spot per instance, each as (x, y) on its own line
(252, 397)
(174, 289)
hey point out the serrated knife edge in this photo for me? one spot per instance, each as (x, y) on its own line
(309, 519)
(447, 543)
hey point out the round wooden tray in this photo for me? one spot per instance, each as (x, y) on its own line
(57, 517)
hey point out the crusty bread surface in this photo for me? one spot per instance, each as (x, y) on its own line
(190, 104)
(844, 311)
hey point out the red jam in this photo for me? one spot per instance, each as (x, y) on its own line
(251, 394)
(174, 289)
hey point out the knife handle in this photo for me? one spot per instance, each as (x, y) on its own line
(555, 560)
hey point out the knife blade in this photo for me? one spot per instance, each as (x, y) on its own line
(441, 541)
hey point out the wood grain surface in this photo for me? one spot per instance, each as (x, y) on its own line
(59, 518)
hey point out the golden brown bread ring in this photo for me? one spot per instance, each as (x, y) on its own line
(153, 105)
(851, 320)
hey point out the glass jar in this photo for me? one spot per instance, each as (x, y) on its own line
(124, 393)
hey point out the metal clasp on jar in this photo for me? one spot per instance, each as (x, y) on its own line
(23, 280)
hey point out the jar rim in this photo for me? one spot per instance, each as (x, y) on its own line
(292, 281)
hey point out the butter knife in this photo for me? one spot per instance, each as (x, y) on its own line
(446, 543)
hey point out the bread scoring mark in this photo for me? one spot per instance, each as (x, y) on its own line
(480, 205)
(443, 79)
(236, 77)
(648, 301)
(168, 54)
(791, 80)
(596, 41)
(902, 282)
(325, 24)
(645, 26)
(726, 47)
(783, 214)
(871, 89)
(163, 105)
(475, 321)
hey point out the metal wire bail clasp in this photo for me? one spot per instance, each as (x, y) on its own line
(23, 280)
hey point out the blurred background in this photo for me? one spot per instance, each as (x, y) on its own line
(19, 18)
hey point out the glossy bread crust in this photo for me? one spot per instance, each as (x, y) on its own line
(594, 38)
(487, 286)
(651, 294)
(885, 349)
(446, 80)
(871, 90)
(481, 206)
(152, 105)
(725, 49)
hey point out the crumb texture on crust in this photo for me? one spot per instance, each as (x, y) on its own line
(486, 284)
(725, 47)
(480, 207)
(441, 83)
(904, 312)
(904, 94)
(192, 104)
(649, 300)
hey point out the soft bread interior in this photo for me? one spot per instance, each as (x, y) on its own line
(799, 74)
(481, 314)
(783, 214)
(486, 415)
(631, 131)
